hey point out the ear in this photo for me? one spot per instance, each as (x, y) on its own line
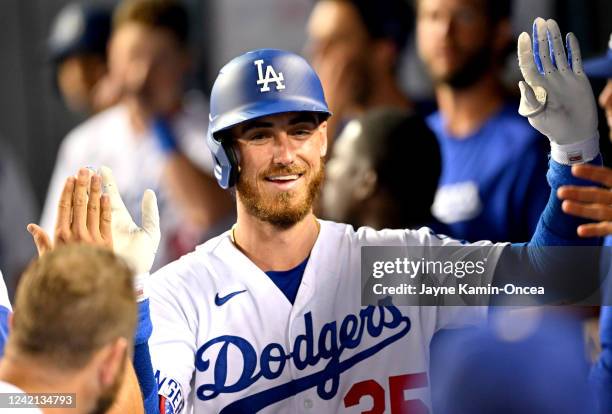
(111, 361)
(366, 184)
(323, 130)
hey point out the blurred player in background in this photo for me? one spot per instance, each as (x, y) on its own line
(355, 46)
(153, 138)
(601, 68)
(71, 332)
(367, 174)
(18, 207)
(77, 46)
(493, 163)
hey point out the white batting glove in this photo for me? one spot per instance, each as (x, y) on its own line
(137, 245)
(556, 96)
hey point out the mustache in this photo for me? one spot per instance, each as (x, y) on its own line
(287, 170)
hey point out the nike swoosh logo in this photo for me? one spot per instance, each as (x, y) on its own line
(221, 300)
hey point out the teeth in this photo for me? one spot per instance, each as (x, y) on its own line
(285, 178)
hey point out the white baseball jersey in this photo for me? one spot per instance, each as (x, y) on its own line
(6, 388)
(4, 298)
(137, 163)
(226, 339)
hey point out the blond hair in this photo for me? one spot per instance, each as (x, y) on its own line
(70, 303)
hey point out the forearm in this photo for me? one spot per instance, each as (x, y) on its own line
(142, 360)
(198, 194)
(555, 228)
(544, 260)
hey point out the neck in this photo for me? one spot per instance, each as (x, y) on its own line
(466, 110)
(32, 376)
(271, 247)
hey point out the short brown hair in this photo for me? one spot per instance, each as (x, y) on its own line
(71, 302)
(157, 14)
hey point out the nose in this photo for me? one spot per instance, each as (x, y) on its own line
(283, 151)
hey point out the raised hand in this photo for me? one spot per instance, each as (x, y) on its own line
(83, 215)
(556, 95)
(137, 245)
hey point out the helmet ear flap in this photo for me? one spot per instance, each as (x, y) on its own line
(232, 156)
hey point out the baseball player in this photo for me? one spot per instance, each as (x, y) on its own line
(152, 137)
(267, 316)
(77, 48)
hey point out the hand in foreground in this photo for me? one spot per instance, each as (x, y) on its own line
(137, 245)
(590, 202)
(83, 215)
(556, 95)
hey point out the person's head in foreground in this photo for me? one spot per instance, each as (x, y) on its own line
(148, 53)
(268, 134)
(601, 67)
(462, 40)
(77, 47)
(74, 319)
(368, 173)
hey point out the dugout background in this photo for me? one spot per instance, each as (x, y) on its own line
(33, 121)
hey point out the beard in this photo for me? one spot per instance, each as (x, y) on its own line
(470, 70)
(107, 398)
(285, 208)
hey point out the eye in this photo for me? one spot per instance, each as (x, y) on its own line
(258, 136)
(303, 131)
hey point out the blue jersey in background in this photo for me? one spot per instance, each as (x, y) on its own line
(493, 184)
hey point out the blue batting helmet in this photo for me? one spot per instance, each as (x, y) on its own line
(79, 28)
(256, 84)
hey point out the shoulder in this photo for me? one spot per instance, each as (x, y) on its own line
(99, 126)
(195, 270)
(367, 236)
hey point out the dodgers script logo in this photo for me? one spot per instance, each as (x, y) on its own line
(308, 350)
(271, 76)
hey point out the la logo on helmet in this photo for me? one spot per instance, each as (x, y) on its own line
(271, 76)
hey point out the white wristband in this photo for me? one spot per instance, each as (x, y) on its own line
(575, 153)
(140, 286)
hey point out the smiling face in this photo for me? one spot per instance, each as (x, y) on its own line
(149, 64)
(281, 166)
(336, 33)
(457, 40)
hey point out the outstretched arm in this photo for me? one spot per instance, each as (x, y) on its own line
(557, 99)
